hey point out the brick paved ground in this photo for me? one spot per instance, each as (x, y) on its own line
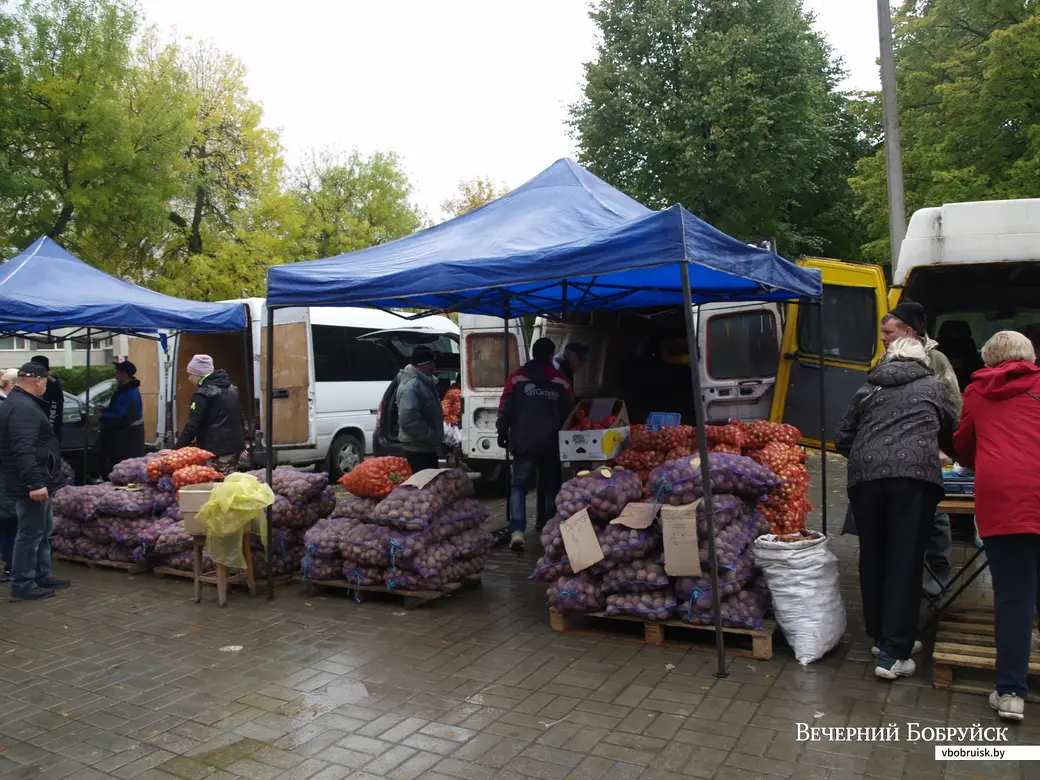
(124, 677)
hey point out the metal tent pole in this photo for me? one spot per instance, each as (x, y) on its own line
(248, 357)
(823, 418)
(86, 422)
(702, 450)
(505, 382)
(269, 434)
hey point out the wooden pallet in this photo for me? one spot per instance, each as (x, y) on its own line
(129, 568)
(280, 580)
(411, 598)
(654, 632)
(964, 644)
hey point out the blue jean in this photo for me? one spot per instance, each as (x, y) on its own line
(1014, 563)
(32, 546)
(527, 471)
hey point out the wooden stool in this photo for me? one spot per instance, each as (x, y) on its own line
(220, 578)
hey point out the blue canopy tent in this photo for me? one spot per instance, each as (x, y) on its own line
(564, 242)
(44, 287)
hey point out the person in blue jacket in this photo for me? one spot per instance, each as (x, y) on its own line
(122, 423)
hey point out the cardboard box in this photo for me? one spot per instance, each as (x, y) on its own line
(595, 446)
(191, 499)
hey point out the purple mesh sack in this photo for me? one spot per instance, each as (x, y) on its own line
(744, 609)
(652, 605)
(635, 577)
(472, 542)
(354, 507)
(409, 508)
(576, 593)
(133, 471)
(463, 515)
(733, 540)
(603, 496)
(409, 580)
(327, 537)
(679, 481)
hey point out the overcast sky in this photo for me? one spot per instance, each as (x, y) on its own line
(458, 88)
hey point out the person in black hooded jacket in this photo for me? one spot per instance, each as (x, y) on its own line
(216, 422)
(535, 401)
(53, 396)
(891, 434)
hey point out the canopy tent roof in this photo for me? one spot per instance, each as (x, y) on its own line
(46, 287)
(564, 224)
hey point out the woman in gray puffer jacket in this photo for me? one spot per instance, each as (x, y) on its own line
(892, 433)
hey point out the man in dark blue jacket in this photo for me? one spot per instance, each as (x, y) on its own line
(30, 462)
(536, 400)
(122, 423)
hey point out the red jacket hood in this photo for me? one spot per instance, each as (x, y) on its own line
(1006, 380)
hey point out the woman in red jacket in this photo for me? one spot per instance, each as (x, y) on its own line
(998, 439)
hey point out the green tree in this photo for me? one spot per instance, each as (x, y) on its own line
(93, 136)
(728, 107)
(346, 203)
(968, 74)
(473, 194)
(230, 221)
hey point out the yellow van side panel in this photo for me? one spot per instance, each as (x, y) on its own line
(836, 273)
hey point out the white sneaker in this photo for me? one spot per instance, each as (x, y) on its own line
(898, 669)
(1008, 706)
(516, 541)
(918, 647)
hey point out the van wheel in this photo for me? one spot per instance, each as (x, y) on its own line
(345, 454)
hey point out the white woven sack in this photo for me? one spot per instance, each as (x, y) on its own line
(803, 581)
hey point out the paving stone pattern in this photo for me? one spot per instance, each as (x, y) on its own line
(123, 677)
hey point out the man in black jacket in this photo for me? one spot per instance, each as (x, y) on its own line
(216, 422)
(30, 461)
(535, 401)
(53, 396)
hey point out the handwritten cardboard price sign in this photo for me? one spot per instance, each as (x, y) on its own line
(421, 479)
(636, 516)
(682, 556)
(580, 542)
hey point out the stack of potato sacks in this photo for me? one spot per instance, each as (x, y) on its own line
(118, 520)
(631, 578)
(403, 536)
(774, 445)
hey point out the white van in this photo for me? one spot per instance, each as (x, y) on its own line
(331, 366)
(639, 356)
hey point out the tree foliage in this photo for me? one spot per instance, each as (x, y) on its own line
(473, 194)
(968, 75)
(93, 144)
(150, 160)
(728, 107)
(349, 202)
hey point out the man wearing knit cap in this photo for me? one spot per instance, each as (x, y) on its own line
(216, 422)
(420, 419)
(907, 320)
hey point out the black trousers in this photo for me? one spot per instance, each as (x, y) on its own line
(1014, 561)
(418, 461)
(894, 519)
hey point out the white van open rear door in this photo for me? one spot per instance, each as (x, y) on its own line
(854, 299)
(482, 357)
(147, 355)
(294, 407)
(739, 344)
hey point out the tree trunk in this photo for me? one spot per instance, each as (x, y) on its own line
(195, 238)
(63, 221)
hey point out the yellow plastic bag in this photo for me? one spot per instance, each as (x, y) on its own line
(233, 506)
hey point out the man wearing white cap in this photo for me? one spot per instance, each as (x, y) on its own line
(216, 422)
